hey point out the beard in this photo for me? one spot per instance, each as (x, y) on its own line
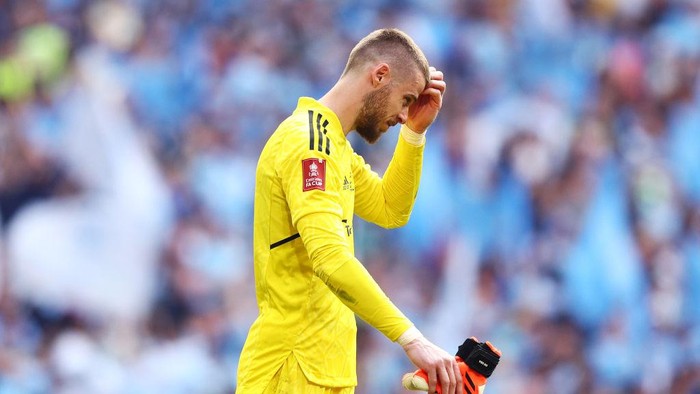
(371, 114)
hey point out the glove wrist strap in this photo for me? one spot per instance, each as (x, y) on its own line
(482, 360)
(479, 356)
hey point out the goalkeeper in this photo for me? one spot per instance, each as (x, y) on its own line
(309, 184)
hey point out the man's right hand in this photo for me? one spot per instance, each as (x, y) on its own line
(437, 363)
(476, 361)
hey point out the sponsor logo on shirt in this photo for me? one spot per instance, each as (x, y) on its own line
(314, 171)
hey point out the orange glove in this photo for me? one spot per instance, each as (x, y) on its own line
(476, 361)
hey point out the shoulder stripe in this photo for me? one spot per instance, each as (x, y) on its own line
(328, 140)
(318, 130)
(311, 130)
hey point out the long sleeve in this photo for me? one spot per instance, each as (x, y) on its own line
(318, 216)
(388, 201)
(309, 286)
(347, 278)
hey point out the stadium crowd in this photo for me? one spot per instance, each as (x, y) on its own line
(558, 216)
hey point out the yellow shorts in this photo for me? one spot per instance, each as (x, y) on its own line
(290, 379)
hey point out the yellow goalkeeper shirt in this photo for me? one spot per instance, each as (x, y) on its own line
(309, 184)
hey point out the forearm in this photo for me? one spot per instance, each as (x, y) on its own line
(390, 201)
(348, 279)
(401, 180)
(357, 289)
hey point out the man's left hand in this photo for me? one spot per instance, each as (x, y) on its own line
(423, 111)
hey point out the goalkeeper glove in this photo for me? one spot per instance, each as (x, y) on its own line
(476, 361)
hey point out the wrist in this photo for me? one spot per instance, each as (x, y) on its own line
(412, 137)
(409, 336)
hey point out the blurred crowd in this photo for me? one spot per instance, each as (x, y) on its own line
(558, 215)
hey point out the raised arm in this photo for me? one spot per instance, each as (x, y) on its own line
(388, 201)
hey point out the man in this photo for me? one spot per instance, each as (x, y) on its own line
(309, 184)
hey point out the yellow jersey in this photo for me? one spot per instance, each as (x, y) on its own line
(309, 184)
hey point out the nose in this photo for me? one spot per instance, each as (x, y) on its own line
(403, 116)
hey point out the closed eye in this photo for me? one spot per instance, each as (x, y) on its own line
(408, 100)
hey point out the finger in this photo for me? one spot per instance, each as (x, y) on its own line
(451, 376)
(436, 75)
(458, 375)
(437, 84)
(432, 380)
(445, 380)
(433, 94)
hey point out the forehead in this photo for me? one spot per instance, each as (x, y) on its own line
(413, 83)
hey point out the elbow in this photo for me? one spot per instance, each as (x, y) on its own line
(327, 258)
(397, 212)
(397, 220)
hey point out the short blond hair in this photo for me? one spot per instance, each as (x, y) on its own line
(392, 46)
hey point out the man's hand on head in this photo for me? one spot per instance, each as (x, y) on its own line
(423, 111)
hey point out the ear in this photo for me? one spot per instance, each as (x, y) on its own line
(381, 75)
